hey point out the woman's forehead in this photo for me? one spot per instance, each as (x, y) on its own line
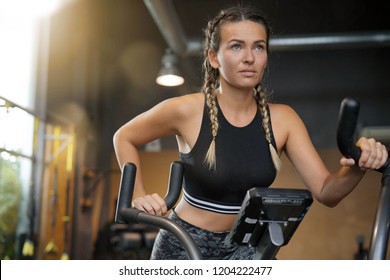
(243, 30)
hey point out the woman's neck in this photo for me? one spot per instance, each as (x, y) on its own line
(240, 101)
(238, 107)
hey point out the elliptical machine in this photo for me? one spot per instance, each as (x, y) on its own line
(268, 217)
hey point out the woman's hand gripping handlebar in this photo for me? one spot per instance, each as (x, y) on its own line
(349, 112)
(126, 214)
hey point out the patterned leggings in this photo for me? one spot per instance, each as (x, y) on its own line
(212, 245)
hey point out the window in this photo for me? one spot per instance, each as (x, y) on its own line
(16, 160)
(20, 22)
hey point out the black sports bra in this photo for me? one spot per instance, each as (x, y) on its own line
(243, 161)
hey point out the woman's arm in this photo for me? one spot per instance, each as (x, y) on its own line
(164, 119)
(327, 188)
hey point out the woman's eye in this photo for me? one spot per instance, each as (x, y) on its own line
(236, 47)
(260, 47)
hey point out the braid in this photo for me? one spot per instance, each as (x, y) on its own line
(211, 77)
(262, 104)
(213, 112)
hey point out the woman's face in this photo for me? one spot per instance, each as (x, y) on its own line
(242, 55)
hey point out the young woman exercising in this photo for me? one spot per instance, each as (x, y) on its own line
(229, 139)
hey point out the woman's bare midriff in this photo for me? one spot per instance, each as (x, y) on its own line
(204, 219)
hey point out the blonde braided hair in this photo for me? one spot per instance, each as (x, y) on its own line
(261, 98)
(211, 77)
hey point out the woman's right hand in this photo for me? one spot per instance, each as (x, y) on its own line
(152, 204)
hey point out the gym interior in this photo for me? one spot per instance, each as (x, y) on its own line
(74, 71)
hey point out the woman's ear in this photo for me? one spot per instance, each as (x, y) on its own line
(213, 58)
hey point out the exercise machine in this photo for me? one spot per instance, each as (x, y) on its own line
(348, 117)
(268, 217)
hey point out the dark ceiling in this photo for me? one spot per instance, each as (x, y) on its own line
(105, 55)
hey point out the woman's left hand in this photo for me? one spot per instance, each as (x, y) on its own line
(373, 155)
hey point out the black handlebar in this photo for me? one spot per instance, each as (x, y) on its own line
(348, 117)
(175, 183)
(127, 187)
(125, 214)
(126, 190)
(349, 113)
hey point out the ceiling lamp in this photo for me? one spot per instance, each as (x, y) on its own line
(169, 74)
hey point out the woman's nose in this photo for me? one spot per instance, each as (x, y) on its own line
(249, 57)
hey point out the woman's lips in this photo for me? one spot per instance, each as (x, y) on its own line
(248, 73)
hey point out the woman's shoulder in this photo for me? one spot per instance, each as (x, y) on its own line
(179, 109)
(285, 123)
(186, 104)
(281, 110)
(284, 117)
(192, 99)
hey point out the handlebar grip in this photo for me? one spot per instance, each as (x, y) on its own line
(126, 190)
(348, 117)
(175, 184)
(349, 112)
(125, 194)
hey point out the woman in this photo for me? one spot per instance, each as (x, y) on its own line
(230, 138)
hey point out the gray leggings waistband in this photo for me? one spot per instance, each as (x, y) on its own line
(212, 245)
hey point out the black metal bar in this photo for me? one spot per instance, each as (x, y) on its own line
(126, 189)
(136, 216)
(380, 232)
(349, 112)
(125, 214)
(265, 249)
(174, 184)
